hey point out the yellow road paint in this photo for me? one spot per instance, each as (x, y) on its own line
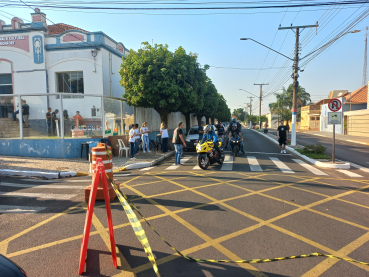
(205, 237)
(4, 243)
(126, 270)
(328, 263)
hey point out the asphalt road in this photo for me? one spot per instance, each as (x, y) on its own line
(344, 150)
(261, 205)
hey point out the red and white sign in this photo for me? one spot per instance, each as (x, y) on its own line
(21, 42)
(335, 105)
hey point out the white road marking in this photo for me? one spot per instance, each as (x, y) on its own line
(228, 163)
(319, 135)
(268, 153)
(253, 162)
(349, 173)
(41, 186)
(281, 165)
(196, 167)
(360, 167)
(355, 141)
(147, 168)
(58, 181)
(310, 167)
(38, 195)
(20, 209)
(174, 166)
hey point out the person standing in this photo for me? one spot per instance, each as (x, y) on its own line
(282, 134)
(53, 122)
(221, 131)
(48, 121)
(178, 142)
(25, 113)
(3, 108)
(164, 137)
(132, 140)
(200, 130)
(137, 138)
(145, 137)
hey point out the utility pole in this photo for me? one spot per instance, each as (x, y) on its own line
(295, 75)
(250, 103)
(365, 60)
(261, 93)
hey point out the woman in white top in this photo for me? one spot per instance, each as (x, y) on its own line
(145, 137)
(132, 140)
(164, 137)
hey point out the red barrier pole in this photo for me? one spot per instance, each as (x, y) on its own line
(90, 211)
(110, 220)
(99, 174)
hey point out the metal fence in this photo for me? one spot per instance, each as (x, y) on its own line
(63, 115)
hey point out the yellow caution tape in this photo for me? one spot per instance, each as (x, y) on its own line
(140, 233)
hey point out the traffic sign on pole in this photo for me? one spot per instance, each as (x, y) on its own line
(335, 105)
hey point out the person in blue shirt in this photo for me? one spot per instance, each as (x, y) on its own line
(209, 134)
(235, 130)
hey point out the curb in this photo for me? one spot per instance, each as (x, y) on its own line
(346, 165)
(145, 164)
(47, 175)
(170, 153)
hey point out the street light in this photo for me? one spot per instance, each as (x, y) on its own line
(248, 92)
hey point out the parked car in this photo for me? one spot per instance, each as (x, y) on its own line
(10, 269)
(192, 139)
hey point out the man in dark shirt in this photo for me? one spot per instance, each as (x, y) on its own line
(178, 141)
(25, 113)
(282, 134)
(48, 121)
(53, 118)
(201, 130)
(221, 131)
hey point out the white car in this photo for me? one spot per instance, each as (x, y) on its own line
(192, 138)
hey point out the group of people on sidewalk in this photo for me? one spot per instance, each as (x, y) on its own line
(136, 133)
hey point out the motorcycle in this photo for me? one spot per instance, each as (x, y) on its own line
(235, 143)
(207, 154)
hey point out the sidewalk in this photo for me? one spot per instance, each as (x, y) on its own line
(354, 139)
(64, 165)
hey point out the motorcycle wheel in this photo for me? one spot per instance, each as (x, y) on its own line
(202, 163)
(235, 151)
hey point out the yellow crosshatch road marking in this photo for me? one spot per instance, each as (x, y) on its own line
(243, 176)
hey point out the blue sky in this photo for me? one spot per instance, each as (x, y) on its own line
(216, 39)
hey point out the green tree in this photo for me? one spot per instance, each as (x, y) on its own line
(154, 77)
(223, 112)
(254, 119)
(240, 114)
(210, 107)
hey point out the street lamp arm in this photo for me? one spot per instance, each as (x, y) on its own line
(330, 42)
(249, 92)
(267, 47)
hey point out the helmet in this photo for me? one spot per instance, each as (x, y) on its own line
(238, 122)
(208, 129)
(233, 119)
(234, 126)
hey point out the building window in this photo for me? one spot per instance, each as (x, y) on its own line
(6, 86)
(70, 82)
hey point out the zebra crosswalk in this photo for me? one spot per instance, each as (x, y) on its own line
(266, 162)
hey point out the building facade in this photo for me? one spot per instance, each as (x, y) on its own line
(63, 68)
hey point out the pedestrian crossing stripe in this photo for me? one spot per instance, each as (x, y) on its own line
(175, 166)
(281, 165)
(20, 209)
(349, 173)
(227, 163)
(253, 162)
(38, 195)
(309, 167)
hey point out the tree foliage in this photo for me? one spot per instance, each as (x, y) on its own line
(223, 112)
(282, 107)
(154, 77)
(240, 114)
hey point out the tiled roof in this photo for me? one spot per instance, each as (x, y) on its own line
(323, 101)
(358, 96)
(59, 28)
